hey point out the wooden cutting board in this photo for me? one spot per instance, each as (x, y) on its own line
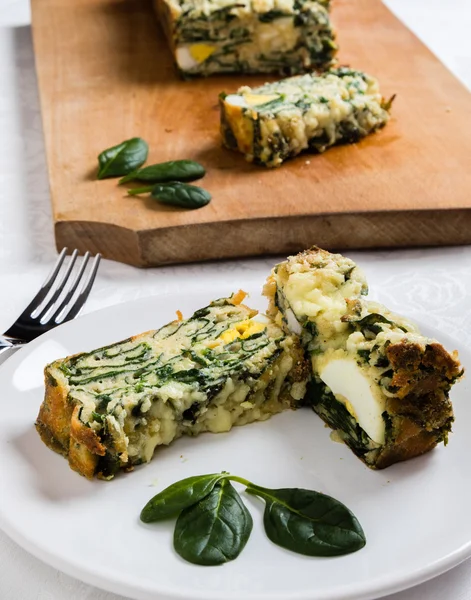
(105, 75)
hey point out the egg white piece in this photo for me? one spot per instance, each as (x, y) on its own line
(293, 324)
(236, 100)
(350, 386)
(184, 59)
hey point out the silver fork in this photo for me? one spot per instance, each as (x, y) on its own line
(57, 301)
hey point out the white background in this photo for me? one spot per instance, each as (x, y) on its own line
(433, 284)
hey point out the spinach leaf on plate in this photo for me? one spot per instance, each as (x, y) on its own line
(178, 496)
(309, 522)
(216, 529)
(213, 524)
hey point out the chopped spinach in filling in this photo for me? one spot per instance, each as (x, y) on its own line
(311, 112)
(218, 368)
(282, 36)
(381, 384)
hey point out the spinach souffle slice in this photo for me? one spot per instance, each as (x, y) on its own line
(380, 384)
(310, 112)
(109, 409)
(248, 36)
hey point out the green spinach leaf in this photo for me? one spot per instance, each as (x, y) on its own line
(174, 170)
(308, 522)
(215, 530)
(386, 104)
(180, 194)
(122, 159)
(272, 15)
(371, 324)
(179, 495)
(146, 189)
(214, 525)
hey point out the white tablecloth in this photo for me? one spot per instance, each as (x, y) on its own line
(435, 284)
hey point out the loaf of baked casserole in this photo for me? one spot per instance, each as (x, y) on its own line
(312, 112)
(109, 409)
(248, 36)
(380, 384)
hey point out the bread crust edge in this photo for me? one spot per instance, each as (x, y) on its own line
(60, 428)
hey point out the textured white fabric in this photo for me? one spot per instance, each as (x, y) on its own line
(434, 285)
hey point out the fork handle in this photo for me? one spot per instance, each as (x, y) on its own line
(8, 346)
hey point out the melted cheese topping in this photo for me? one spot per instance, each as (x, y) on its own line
(206, 8)
(318, 292)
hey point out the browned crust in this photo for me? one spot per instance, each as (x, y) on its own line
(167, 22)
(420, 372)
(410, 441)
(61, 430)
(59, 425)
(48, 438)
(269, 291)
(85, 447)
(422, 379)
(421, 413)
(55, 413)
(301, 370)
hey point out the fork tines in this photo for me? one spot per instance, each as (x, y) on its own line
(60, 298)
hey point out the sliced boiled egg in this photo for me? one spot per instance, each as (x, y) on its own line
(192, 55)
(249, 100)
(361, 396)
(293, 323)
(242, 330)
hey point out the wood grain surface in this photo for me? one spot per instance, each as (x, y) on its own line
(105, 75)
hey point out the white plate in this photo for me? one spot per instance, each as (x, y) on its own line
(415, 515)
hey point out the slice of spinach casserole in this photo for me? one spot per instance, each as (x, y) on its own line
(279, 120)
(109, 409)
(377, 381)
(248, 36)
